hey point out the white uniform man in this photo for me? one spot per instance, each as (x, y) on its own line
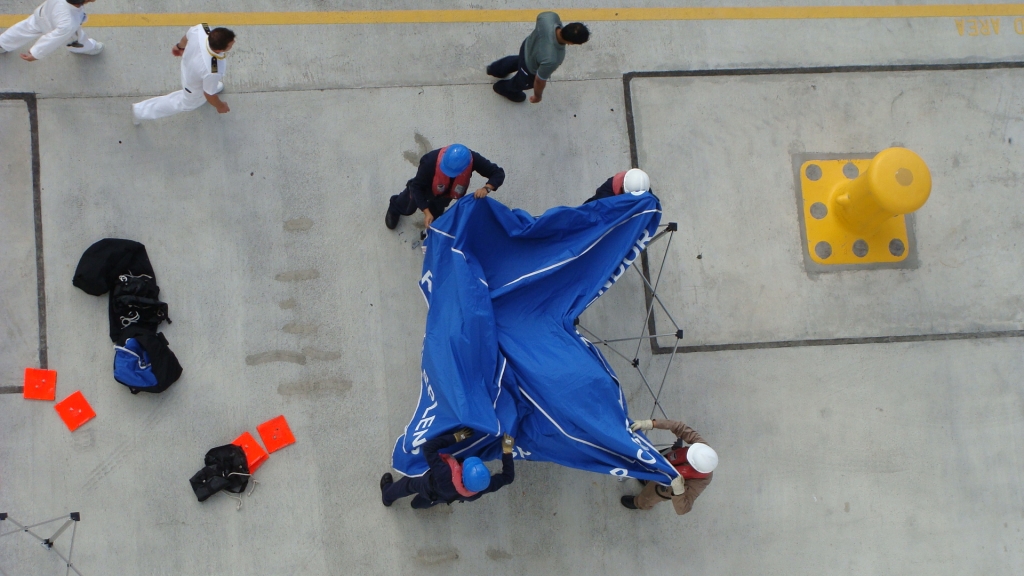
(53, 24)
(202, 54)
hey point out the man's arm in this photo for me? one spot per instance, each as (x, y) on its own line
(549, 23)
(683, 503)
(538, 89)
(431, 447)
(179, 48)
(681, 430)
(216, 102)
(495, 174)
(605, 190)
(212, 87)
(420, 185)
(505, 477)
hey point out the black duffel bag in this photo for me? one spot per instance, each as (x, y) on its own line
(226, 469)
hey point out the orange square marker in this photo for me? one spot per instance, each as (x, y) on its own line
(74, 410)
(254, 453)
(40, 384)
(275, 434)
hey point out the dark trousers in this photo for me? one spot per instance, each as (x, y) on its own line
(405, 205)
(523, 80)
(407, 486)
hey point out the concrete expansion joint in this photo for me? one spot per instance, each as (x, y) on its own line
(283, 90)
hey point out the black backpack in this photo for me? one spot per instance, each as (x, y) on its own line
(226, 469)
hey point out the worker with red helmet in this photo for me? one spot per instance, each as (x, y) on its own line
(692, 458)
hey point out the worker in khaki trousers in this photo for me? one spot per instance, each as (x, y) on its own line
(694, 462)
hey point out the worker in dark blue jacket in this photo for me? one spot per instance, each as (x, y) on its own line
(449, 479)
(443, 176)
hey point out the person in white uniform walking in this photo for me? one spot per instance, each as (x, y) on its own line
(202, 54)
(53, 24)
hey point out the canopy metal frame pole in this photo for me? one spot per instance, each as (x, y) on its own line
(632, 338)
(646, 332)
(71, 520)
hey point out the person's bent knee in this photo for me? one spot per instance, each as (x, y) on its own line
(421, 503)
(644, 503)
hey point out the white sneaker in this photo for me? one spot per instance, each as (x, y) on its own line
(96, 50)
(135, 119)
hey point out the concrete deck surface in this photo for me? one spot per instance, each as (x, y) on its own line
(290, 297)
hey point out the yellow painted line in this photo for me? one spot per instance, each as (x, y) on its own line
(583, 14)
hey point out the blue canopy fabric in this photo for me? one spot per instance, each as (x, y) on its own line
(501, 353)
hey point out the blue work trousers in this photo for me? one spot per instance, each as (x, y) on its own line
(405, 205)
(523, 80)
(409, 485)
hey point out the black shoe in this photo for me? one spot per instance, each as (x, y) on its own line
(629, 502)
(491, 72)
(516, 97)
(385, 481)
(391, 219)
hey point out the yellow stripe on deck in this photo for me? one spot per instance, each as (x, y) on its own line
(567, 14)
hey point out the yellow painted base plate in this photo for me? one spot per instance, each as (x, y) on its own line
(829, 242)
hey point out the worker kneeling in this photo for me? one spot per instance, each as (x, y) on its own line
(449, 479)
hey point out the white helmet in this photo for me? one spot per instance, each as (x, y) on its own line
(702, 457)
(636, 181)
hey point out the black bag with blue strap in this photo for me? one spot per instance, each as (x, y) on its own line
(142, 359)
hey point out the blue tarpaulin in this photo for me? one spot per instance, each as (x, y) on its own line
(501, 354)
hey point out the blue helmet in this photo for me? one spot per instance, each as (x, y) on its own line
(455, 160)
(475, 476)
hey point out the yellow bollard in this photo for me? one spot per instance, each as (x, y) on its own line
(854, 210)
(896, 182)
